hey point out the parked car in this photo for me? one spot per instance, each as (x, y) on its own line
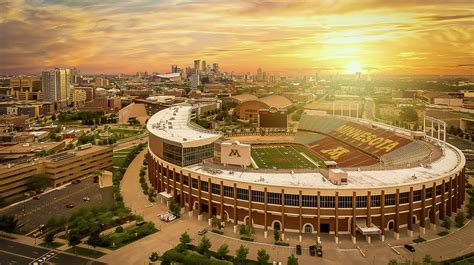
(140, 223)
(410, 248)
(70, 205)
(86, 199)
(298, 249)
(77, 181)
(167, 217)
(36, 198)
(202, 231)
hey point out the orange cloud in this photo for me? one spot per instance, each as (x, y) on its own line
(304, 37)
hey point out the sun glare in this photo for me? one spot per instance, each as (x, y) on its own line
(353, 68)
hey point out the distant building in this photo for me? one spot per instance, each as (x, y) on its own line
(101, 82)
(61, 168)
(25, 88)
(79, 97)
(176, 92)
(466, 125)
(438, 98)
(131, 112)
(56, 86)
(248, 110)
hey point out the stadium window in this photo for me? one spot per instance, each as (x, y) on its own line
(274, 198)
(292, 200)
(361, 201)
(327, 201)
(403, 197)
(242, 194)
(309, 200)
(216, 188)
(228, 191)
(185, 180)
(438, 190)
(447, 187)
(257, 196)
(417, 195)
(429, 192)
(389, 199)
(375, 201)
(204, 185)
(177, 177)
(195, 183)
(345, 202)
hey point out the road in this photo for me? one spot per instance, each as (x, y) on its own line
(16, 253)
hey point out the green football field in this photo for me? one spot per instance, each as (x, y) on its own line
(284, 156)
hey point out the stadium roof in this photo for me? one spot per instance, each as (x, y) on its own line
(276, 101)
(244, 97)
(173, 124)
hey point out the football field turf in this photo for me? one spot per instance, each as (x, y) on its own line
(284, 156)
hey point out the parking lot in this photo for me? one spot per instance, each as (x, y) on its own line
(34, 212)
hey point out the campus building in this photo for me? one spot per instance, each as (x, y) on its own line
(376, 179)
(61, 168)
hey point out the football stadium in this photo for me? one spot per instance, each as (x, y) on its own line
(332, 174)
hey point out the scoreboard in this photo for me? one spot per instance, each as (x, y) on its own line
(273, 118)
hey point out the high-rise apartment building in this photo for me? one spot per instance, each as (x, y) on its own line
(204, 66)
(174, 68)
(197, 64)
(57, 86)
(259, 74)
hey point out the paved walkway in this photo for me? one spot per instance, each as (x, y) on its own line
(345, 252)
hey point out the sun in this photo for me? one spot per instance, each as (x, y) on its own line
(353, 68)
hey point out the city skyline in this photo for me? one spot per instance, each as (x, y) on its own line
(299, 38)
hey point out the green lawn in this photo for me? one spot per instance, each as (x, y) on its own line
(52, 245)
(85, 252)
(284, 156)
(119, 156)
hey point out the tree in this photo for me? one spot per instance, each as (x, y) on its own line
(94, 239)
(204, 245)
(8, 223)
(408, 114)
(216, 223)
(292, 260)
(427, 259)
(49, 238)
(222, 251)
(446, 223)
(460, 219)
(154, 257)
(262, 257)
(73, 239)
(241, 255)
(392, 262)
(38, 182)
(174, 208)
(184, 240)
(276, 235)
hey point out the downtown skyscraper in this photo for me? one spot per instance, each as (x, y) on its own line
(57, 86)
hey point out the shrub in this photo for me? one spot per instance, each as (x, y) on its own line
(222, 251)
(281, 243)
(419, 239)
(460, 219)
(443, 233)
(119, 229)
(217, 231)
(446, 223)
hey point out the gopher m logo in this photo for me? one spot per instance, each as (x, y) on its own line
(234, 152)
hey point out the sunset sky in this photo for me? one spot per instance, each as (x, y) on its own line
(327, 36)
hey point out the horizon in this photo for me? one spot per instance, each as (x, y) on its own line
(303, 38)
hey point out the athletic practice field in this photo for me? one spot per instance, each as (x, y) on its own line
(284, 156)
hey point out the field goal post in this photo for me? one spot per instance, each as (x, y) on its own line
(439, 126)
